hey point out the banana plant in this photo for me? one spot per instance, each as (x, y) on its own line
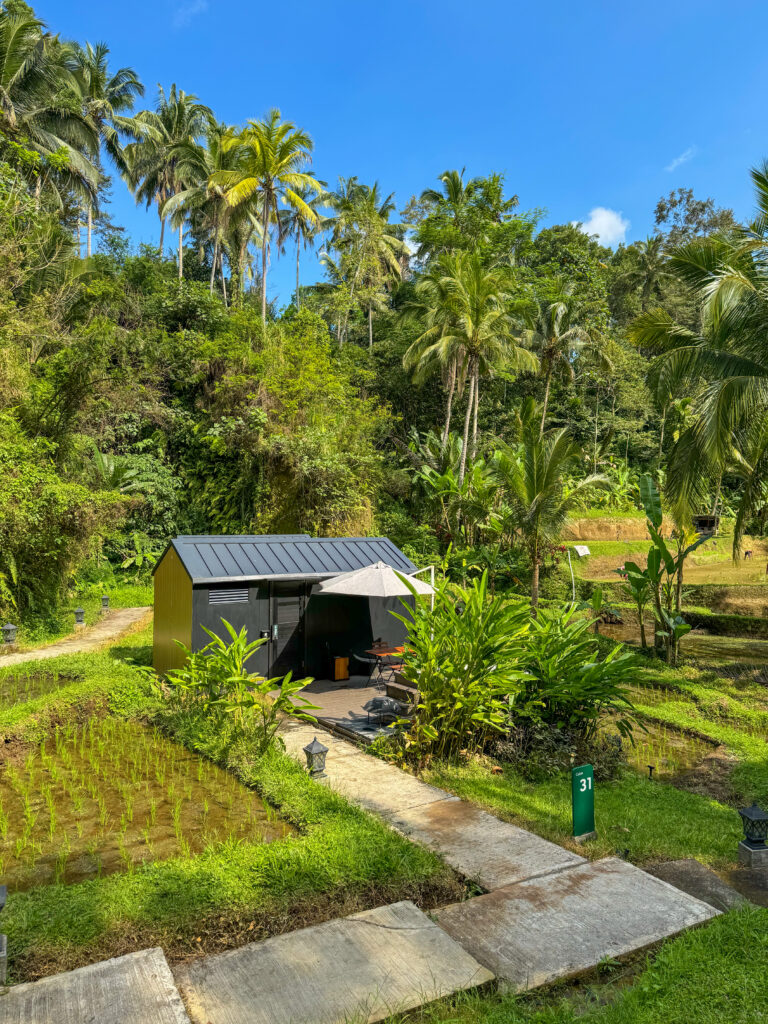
(664, 572)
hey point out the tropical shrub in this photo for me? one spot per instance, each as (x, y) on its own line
(537, 752)
(215, 683)
(564, 680)
(463, 657)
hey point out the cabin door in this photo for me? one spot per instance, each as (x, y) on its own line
(287, 641)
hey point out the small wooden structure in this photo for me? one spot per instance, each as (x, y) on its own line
(265, 582)
(707, 525)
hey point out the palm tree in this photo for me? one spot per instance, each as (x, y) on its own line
(372, 250)
(271, 155)
(105, 99)
(203, 202)
(724, 364)
(464, 309)
(153, 161)
(531, 479)
(305, 227)
(650, 271)
(35, 83)
(551, 331)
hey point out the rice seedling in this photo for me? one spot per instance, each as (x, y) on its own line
(99, 798)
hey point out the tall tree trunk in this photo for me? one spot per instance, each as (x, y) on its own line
(370, 327)
(79, 235)
(213, 264)
(90, 232)
(181, 251)
(449, 403)
(717, 493)
(548, 381)
(264, 240)
(643, 638)
(535, 579)
(474, 413)
(597, 423)
(470, 402)
(298, 252)
(223, 282)
(162, 235)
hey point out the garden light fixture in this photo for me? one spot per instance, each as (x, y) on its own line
(755, 821)
(316, 752)
(9, 633)
(79, 616)
(105, 602)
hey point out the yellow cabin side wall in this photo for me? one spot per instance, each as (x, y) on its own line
(173, 612)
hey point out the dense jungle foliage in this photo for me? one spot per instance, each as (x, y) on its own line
(462, 380)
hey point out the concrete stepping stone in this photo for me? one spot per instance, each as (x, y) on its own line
(380, 788)
(359, 968)
(540, 930)
(133, 989)
(698, 880)
(479, 846)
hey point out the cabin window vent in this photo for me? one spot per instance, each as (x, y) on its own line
(231, 596)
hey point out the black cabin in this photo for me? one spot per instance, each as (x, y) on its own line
(265, 583)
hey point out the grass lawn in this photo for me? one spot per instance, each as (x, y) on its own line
(712, 975)
(336, 859)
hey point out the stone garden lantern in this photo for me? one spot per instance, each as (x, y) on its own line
(104, 603)
(9, 633)
(752, 849)
(316, 753)
(79, 618)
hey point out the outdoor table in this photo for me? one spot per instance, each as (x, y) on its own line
(381, 651)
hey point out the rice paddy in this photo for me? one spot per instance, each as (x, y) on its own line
(21, 686)
(668, 751)
(108, 796)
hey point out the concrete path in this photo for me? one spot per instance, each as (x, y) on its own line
(479, 846)
(360, 968)
(133, 989)
(107, 629)
(545, 929)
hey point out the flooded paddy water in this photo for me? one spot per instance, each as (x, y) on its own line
(21, 686)
(95, 799)
(706, 648)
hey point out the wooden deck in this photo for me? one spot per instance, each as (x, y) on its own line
(341, 707)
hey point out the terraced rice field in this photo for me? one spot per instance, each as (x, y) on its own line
(108, 796)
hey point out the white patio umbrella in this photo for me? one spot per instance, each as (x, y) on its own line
(377, 580)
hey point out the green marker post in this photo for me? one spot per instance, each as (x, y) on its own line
(583, 802)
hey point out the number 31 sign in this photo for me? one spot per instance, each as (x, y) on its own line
(583, 801)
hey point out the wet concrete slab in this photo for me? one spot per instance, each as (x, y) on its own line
(479, 846)
(133, 989)
(359, 968)
(698, 880)
(381, 788)
(545, 929)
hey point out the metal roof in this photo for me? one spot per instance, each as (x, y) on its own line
(223, 558)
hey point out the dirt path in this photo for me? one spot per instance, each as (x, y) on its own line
(112, 626)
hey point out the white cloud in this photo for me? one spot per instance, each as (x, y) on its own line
(184, 14)
(609, 225)
(689, 154)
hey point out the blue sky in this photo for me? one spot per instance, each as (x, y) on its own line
(593, 109)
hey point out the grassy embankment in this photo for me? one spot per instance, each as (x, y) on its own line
(338, 860)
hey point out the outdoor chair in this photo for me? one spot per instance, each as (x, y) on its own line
(370, 663)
